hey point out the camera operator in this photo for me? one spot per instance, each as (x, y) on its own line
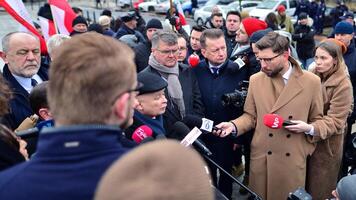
(217, 76)
(278, 157)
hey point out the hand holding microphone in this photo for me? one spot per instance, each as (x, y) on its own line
(275, 121)
(224, 129)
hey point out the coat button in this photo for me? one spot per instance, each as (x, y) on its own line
(269, 152)
(287, 154)
(288, 135)
(271, 134)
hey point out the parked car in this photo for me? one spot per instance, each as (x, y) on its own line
(187, 6)
(149, 6)
(201, 14)
(124, 3)
(267, 6)
(245, 5)
(162, 7)
(328, 20)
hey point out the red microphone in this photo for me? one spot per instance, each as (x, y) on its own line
(193, 60)
(141, 133)
(275, 121)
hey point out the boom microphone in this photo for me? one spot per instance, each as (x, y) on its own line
(275, 121)
(181, 130)
(141, 133)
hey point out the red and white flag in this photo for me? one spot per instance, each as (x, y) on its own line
(18, 11)
(63, 15)
(181, 13)
(47, 27)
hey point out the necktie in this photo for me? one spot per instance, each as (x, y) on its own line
(215, 71)
(33, 82)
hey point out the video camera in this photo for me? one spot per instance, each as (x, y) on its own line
(236, 98)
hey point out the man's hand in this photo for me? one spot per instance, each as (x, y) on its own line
(224, 129)
(299, 127)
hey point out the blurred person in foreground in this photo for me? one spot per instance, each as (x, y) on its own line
(72, 156)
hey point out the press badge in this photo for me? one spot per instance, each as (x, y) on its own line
(239, 62)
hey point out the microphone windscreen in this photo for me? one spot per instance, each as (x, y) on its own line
(147, 139)
(141, 133)
(179, 130)
(273, 121)
(192, 121)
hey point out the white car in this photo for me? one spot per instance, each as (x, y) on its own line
(245, 5)
(163, 7)
(149, 5)
(268, 6)
(124, 3)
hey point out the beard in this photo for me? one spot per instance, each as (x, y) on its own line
(274, 72)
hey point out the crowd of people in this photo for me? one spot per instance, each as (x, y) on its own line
(106, 89)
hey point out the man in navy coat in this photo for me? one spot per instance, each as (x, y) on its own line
(22, 70)
(90, 101)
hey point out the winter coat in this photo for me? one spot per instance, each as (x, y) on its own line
(278, 156)
(324, 164)
(304, 35)
(285, 25)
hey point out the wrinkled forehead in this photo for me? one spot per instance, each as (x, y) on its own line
(23, 41)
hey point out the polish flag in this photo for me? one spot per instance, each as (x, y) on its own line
(63, 15)
(17, 10)
(181, 13)
(47, 26)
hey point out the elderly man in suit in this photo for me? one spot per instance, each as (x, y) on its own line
(278, 157)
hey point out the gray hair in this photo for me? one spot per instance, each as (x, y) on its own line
(6, 40)
(213, 33)
(55, 40)
(167, 37)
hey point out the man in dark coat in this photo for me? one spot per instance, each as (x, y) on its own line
(194, 41)
(233, 20)
(22, 71)
(72, 156)
(128, 27)
(143, 49)
(218, 76)
(183, 92)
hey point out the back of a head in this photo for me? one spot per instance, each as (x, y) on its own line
(346, 188)
(38, 97)
(55, 40)
(275, 41)
(158, 170)
(91, 71)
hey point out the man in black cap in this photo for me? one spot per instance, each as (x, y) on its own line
(79, 25)
(151, 104)
(143, 50)
(128, 27)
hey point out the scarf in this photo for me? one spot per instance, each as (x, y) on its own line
(155, 124)
(175, 91)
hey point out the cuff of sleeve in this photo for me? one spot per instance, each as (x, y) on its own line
(234, 132)
(311, 132)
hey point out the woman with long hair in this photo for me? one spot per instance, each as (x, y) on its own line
(328, 133)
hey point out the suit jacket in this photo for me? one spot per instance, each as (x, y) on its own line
(68, 165)
(19, 105)
(278, 157)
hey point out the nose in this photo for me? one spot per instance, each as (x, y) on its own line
(30, 56)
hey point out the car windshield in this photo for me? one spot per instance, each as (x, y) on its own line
(267, 4)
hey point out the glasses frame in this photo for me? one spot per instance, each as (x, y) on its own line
(269, 60)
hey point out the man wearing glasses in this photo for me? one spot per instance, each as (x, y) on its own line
(217, 75)
(22, 70)
(278, 157)
(91, 99)
(183, 92)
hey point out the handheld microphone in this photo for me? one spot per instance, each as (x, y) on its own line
(141, 133)
(205, 124)
(181, 130)
(275, 121)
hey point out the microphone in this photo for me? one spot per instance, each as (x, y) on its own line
(275, 121)
(181, 130)
(141, 133)
(205, 124)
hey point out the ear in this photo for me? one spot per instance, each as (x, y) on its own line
(120, 106)
(3, 56)
(203, 51)
(45, 114)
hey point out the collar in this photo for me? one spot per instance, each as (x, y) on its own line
(212, 67)
(24, 82)
(288, 73)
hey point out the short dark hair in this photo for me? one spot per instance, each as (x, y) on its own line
(38, 97)
(213, 33)
(198, 28)
(233, 12)
(276, 42)
(216, 15)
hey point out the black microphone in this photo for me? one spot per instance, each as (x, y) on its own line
(202, 123)
(180, 130)
(147, 139)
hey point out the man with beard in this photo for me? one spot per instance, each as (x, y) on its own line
(217, 75)
(22, 70)
(278, 157)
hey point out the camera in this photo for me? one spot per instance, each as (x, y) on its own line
(236, 98)
(299, 194)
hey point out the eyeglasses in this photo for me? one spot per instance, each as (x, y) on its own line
(169, 52)
(130, 91)
(268, 60)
